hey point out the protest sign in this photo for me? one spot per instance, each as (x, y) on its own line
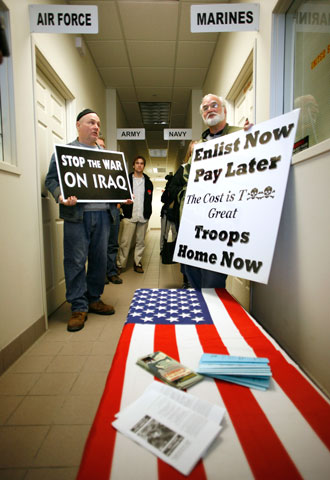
(234, 200)
(92, 175)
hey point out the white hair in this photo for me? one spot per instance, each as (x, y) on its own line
(220, 100)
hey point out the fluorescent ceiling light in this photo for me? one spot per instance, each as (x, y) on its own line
(155, 113)
(158, 152)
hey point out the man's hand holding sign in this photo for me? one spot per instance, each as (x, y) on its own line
(234, 199)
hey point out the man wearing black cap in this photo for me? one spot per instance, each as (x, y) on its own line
(86, 233)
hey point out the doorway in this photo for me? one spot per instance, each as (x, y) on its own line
(239, 288)
(51, 129)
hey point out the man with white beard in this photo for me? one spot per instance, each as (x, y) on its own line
(214, 113)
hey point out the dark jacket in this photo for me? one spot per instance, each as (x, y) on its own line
(165, 198)
(175, 188)
(226, 131)
(147, 203)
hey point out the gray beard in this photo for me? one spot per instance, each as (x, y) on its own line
(211, 122)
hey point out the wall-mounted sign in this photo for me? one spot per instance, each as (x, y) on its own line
(64, 19)
(222, 17)
(177, 133)
(131, 134)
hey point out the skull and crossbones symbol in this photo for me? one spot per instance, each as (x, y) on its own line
(267, 193)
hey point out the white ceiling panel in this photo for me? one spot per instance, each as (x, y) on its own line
(178, 121)
(157, 54)
(149, 20)
(150, 77)
(127, 94)
(182, 95)
(116, 77)
(154, 94)
(194, 54)
(108, 53)
(194, 77)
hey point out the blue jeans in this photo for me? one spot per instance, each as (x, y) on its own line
(86, 241)
(200, 278)
(113, 244)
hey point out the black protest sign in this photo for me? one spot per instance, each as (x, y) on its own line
(92, 175)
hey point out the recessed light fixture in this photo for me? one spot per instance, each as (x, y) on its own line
(158, 152)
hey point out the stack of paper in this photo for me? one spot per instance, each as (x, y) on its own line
(247, 371)
(174, 425)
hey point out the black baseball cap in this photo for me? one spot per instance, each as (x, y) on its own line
(84, 112)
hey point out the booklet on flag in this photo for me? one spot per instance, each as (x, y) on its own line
(251, 372)
(169, 370)
(175, 426)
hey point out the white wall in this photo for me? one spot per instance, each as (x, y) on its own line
(295, 304)
(21, 277)
(21, 282)
(154, 221)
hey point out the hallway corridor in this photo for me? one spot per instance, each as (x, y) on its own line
(49, 396)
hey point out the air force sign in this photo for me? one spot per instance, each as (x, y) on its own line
(63, 19)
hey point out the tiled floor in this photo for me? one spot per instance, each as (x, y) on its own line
(49, 397)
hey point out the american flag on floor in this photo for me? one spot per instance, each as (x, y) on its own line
(282, 433)
(164, 306)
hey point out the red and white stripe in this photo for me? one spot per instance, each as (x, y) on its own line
(283, 433)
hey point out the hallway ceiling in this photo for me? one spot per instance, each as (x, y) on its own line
(144, 49)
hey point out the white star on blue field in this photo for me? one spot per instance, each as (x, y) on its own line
(164, 307)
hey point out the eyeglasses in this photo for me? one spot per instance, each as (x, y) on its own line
(211, 105)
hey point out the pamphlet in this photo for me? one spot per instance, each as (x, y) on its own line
(253, 372)
(175, 426)
(169, 370)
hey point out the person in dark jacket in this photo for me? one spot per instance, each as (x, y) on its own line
(175, 191)
(136, 216)
(167, 221)
(86, 233)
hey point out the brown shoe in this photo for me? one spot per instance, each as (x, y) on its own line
(77, 321)
(138, 268)
(115, 279)
(101, 308)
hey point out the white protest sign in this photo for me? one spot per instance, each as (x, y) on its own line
(234, 200)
